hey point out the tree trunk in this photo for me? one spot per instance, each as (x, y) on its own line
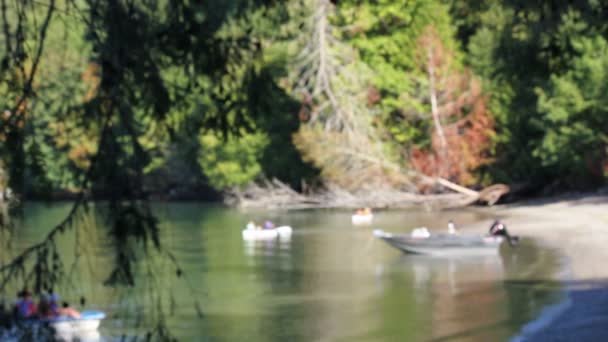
(436, 115)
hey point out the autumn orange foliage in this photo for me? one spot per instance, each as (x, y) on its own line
(465, 120)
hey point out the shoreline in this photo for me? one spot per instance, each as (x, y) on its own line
(399, 200)
(577, 228)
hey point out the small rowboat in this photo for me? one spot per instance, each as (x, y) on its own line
(254, 234)
(84, 328)
(443, 244)
(88, 321)
(362, 218)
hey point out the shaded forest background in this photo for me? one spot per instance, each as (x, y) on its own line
(189, 99)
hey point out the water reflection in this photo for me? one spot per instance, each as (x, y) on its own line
(330, 281)
(80, 336)
(277, 251)
(451, 274)
(267, 247)
(467, 298)
(449, 295)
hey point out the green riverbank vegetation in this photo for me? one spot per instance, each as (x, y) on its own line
(197, 100)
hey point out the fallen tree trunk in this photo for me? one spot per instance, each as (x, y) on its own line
(274, 194)
(457, 188)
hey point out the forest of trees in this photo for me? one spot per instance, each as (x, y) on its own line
(189, 99)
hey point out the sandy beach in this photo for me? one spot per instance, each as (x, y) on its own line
(577, 227)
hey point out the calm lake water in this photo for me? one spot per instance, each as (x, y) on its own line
(330, 282)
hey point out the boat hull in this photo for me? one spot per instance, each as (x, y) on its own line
(76, 325)
(88, 321)
(444, 244)
(283, 232)
(84, 328)
(362, 219)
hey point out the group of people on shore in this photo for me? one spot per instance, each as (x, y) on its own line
(47, 307)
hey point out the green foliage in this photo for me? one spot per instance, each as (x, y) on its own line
(529, 55)
(387, 34)
(219, 70)
(177, 79)
(574, 107)
(234, 162)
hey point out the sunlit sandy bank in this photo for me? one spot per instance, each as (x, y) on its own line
(577, 227)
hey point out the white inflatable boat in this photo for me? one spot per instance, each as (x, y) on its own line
(362, 218)
(258, 233)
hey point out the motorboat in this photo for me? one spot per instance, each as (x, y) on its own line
(254, 233)
(443, 244)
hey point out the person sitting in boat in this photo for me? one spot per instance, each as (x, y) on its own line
(251, 225)
(44, 308)
(500, 229)
(68, 311)
(268, 225)
(25, 307)
(452, 227)
(47, 306)
(363, 212)
(53, 300)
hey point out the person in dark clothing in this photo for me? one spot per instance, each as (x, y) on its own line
(500, 229)
(25, 307)
(48, 306)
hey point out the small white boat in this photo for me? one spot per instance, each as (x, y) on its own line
(88, 321)
(63, 328)
(283, 232)
(362, 218)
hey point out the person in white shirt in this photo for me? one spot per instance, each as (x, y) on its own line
(452, 227)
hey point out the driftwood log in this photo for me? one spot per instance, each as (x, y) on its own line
(275, 194)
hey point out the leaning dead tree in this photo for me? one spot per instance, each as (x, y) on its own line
(460, 139)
